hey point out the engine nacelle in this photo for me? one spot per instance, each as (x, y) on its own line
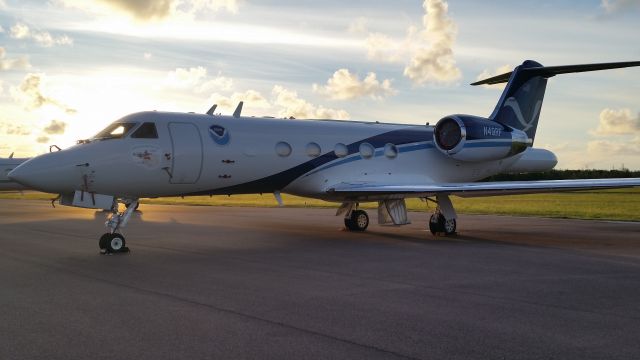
(472, 138)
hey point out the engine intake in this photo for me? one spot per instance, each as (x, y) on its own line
(472, 138)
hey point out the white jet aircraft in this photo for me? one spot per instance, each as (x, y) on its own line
(155, 154)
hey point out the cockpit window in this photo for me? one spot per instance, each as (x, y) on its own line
(146, 131)
(114, 131)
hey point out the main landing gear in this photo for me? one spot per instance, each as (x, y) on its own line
(443, 220)
(112, 241)
(358, 221)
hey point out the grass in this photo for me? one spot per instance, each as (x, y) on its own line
(619, 204)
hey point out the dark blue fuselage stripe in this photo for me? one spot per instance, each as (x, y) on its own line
(280, 180)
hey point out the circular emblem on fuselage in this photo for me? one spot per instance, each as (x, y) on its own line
(219, 134)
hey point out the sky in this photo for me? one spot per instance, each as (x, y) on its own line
(68, 68)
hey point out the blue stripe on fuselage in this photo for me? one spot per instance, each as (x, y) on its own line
(280, 180)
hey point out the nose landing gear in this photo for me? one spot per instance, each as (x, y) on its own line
(112, 241)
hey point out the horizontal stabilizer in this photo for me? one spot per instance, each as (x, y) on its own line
(549, 71)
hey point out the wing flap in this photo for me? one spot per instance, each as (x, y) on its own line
(476, 189)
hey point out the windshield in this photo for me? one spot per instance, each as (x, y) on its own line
(116, 130)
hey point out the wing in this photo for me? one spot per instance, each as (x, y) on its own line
(475, 189)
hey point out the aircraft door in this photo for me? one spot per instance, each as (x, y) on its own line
(186, 161)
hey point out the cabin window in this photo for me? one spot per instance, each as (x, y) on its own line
(313, 149)
(146, 131)
(115, 131)
(367, 150)
(390, 151)
(341, 150)
(283, 149)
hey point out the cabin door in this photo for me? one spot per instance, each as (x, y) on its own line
(186, 164)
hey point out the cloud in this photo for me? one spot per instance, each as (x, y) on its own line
(149, 10)
(12, 129)
(195, 79)
(618, 122)
(606, 148)
(42, 38)
(20, 63)
(435, 63)
(147, 56)
(498, 71)
(42, 139)
(615, 6)
(344, 85)
(30, 94)
(429, 49)
(1, 28)
(252, 98)
(290, 104)
(55, 127)
(358, 26)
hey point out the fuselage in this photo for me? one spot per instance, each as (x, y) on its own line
(191, 154)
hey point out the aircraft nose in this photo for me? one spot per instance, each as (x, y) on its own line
(45, 173)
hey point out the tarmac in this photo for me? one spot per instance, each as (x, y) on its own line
(285, 283)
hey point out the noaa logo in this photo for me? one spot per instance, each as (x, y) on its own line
(219, 134)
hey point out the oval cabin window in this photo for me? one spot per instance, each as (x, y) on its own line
(390, 151)
(283, 149)
(313, 149)
(367, 150)
(341, 150)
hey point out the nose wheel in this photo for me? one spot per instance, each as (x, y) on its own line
(112, 243)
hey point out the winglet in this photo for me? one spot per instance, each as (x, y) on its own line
(11, 156)
(212, 109)
(236, 113)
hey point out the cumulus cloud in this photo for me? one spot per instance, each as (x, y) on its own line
(618, 122)
(344, 85)
(29, 92)
(55, 127)
(498, 71)
(429, 49)
(196, 79)
(42, 38)
(252, 98)
(358, 26)
(42, 139)
(607, 148)
(20, 63)
(615, 6)
(149, 10)
(290, 104)
(12, 129)
(435, 63)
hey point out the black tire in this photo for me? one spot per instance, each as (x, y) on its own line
(103, 240)
(438, 224)
(115, 243)
(136, 208)
(359, 221)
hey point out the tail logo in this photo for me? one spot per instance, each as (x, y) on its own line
(513, 104)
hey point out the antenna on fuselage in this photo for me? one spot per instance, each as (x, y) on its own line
(236, 113)
(212, 109)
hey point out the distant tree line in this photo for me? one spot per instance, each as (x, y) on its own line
(566, 175)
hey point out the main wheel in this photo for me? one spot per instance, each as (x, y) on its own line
(103, 240)
(359, 221)
(115, 243)
(438, 224)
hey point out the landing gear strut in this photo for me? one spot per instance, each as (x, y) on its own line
(112, 241)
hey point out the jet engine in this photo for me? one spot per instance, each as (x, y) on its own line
(472, 138)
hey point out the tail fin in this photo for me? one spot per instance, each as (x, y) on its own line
(521, 101)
